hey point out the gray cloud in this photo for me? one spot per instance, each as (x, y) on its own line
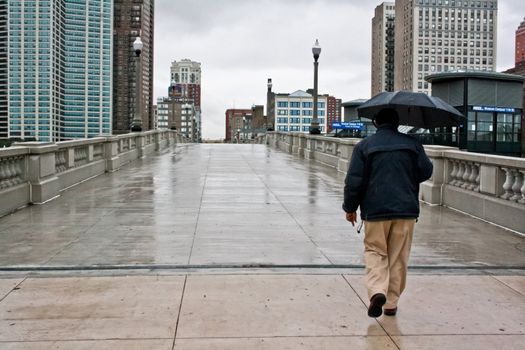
(241, 43)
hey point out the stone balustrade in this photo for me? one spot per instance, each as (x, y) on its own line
(36, 172)
(489, 187)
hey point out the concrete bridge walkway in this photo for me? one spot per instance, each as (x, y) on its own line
(242, 247)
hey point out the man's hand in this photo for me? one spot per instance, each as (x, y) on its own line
(352, 217)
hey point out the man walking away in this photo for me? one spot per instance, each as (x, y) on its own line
(383, 180)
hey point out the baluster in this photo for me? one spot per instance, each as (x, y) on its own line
(8, 173)
(475, 178)
(18, 171)
(453, 173)
(516, 187)
(3, 174)
(459, 176)
(63, 160)
(472, 178)
(12, 165)
(466, 175)
(522, 190)
(509, 181)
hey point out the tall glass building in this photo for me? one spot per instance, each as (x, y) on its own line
(59, 64)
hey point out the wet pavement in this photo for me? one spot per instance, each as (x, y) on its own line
(242, 247)
(228, 205)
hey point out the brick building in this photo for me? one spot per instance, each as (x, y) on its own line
(132, 18)
(333, 111)
(520, 43)
(236, 120)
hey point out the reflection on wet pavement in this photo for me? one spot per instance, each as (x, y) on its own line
(228, 205)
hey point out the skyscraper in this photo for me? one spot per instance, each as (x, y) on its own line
(3, 69)
(383, 48)
(132, 18)
(59, 67)
(87, 68)
(433, 36)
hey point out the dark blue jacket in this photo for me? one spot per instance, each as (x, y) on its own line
(384, 176)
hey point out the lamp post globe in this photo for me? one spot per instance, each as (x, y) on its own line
(136, 124)
(138, 45)
(316, 49)
(314, 125)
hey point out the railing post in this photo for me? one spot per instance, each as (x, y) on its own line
(157, 139)
(70, 161)
(491, 180)
(111, 153)
(310, 147)
(139, 143)
(289, 146)
(42, 173)
(91, 149)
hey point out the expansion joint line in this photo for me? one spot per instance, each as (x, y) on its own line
(200, 207)
(180, 310)
(366, 307)
(12, 289)
(288, 211)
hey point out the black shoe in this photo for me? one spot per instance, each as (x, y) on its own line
(376, 305)
(390, 312)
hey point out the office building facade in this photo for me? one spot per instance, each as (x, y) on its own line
(179, 115)
(383, 48)
(294, 112)
(132, 18)
(59, 68)
(434, 36)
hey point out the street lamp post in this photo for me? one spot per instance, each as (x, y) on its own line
(314, 125)
(136, 124)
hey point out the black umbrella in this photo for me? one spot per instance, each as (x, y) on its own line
(414, 108)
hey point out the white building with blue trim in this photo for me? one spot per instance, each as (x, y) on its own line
(294, 112)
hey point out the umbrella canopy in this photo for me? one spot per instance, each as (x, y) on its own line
(414, 108)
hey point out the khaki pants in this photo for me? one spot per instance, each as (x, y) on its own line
(387, 248)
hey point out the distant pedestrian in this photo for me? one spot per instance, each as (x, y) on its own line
(383, 180)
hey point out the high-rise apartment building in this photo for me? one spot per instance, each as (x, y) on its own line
(333, 111)
(132, 18)
(383, 48)
(185, 88)
(186, 80)
(433, 36)
(520, 43)
(59, 68)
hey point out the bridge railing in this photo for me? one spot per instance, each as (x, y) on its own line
(35, 172)
(489, 187)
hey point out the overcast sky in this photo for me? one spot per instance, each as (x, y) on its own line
(241, 43)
